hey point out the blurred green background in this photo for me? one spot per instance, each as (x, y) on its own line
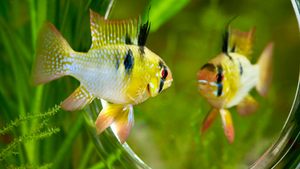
(166, 134)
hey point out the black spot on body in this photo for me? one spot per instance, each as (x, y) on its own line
(128, 61)
(241, 68)
(211, 67)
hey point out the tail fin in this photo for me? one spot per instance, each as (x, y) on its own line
(265, 67)
(52, 56)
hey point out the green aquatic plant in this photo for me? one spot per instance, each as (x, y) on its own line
(28, 117)
(44, 166)
(36, 133)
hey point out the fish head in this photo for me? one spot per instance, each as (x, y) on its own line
(210, 83)
(206, 80)
(160, 74)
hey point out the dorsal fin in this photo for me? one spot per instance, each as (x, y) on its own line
(241, 42)
(113, 32)
(144, 32)
(225, 47)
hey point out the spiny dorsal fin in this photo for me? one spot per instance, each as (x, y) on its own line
(113, 32)
(241, 42)
(144, 31)
(225, 47)
(143, 34)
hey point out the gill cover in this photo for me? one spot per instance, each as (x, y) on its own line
(153, 86)
(161, 80)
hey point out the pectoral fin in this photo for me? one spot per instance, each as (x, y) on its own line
(119, 116)
(209, 119)
(78, 99)
(247, 106)
(227, 125)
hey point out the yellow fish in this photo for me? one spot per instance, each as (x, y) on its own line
(227, 79)
(118, 68)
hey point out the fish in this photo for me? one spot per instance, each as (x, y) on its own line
(118, 69)
(226, 80)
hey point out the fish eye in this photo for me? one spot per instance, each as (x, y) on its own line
(164, 73)
(219, 77)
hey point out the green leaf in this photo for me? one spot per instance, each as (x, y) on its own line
(66, 145)
(162, 11)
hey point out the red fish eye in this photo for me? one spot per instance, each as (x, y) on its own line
(164, 73)
(219, 77)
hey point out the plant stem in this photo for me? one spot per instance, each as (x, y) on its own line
(86, 155)
(66, 145)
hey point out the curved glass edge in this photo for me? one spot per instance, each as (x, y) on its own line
(285, 151)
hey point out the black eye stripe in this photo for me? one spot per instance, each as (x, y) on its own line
(220, 74)
(164, 76)
(220, 89)
(161, 85)
(219, 79)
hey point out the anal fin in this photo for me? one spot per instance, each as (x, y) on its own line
(247, 106)
(119, 116)
(78, 99)
(227, 125)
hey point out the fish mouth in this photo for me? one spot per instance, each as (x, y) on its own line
(167, 83)
(202, 84)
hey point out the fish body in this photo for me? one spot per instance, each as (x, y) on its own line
(121, 70)
(118, 69)
(226, 80)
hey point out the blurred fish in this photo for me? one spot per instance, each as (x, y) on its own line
(226, 80)
(118, 68)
